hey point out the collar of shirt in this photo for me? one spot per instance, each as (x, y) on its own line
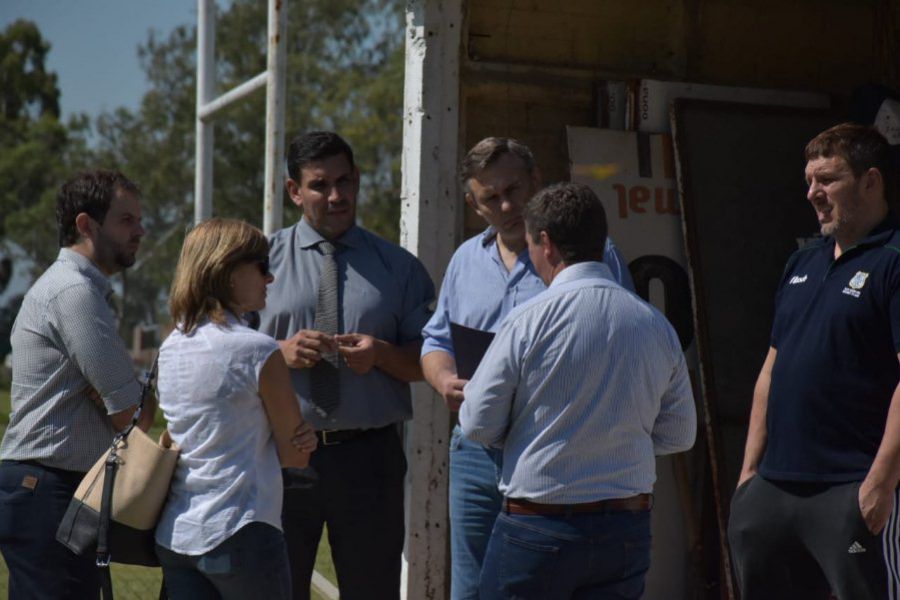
(882, 232)
(307, 237)
(86, 266)
(879, 236)
(583, 270)
(489, 246)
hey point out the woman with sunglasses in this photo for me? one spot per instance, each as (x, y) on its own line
(227, 397)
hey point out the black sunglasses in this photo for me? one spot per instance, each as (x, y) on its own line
(263, 265)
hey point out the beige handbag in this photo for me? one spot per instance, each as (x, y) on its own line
(116, 507)
(145, 469)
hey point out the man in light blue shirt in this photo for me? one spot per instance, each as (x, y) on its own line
(488, 276)
(582, 387)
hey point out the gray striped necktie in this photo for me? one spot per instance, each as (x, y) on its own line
(325, 383)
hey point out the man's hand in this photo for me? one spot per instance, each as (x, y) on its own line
(95, 397)
(359, 351)
(745, 475)
(304, 438)
(304, 348)
(450, 387)
(876, 504)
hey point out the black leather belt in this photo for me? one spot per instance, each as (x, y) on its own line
(520, 506)
(331, 437)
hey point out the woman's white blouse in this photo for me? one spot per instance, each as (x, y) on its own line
(228, 473)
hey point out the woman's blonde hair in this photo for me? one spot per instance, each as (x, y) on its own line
(202, 285)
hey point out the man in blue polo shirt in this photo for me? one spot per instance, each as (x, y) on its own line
(489, 275)
(814, 507)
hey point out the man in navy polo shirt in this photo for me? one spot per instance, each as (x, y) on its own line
(814, 507)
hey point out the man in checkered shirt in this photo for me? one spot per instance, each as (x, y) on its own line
(73, 385)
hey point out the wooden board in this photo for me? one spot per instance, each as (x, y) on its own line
(744, 212)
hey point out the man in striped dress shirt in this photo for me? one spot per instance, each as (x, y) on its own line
(489, 275)
(582, 387)
(73, 385)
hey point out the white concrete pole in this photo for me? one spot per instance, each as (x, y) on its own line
(276, 61)
(429, 224)
(206, 84)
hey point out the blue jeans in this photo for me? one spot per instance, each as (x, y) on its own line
(252, 563)
(474, 504)
(598, 556)
(33, 500)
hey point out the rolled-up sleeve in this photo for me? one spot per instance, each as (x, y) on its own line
(485, 414)
(436, 335)
(87, 328)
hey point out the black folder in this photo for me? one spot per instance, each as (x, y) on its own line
(469, 345)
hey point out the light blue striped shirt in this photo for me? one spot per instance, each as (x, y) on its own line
(478, 291)
(582, 387)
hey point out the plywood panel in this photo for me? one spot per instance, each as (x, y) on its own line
(824, 46)
(581, 33)
(531, 116)
(818, 45)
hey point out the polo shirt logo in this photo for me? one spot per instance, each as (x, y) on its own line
(797, 279)
(856, 284)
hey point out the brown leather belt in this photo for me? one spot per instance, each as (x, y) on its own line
(520, 506)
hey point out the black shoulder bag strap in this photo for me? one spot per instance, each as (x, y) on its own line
(109, 479)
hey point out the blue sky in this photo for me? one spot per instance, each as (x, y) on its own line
(94, 45)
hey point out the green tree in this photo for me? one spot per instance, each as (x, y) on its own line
(345, 72)
(36, 150)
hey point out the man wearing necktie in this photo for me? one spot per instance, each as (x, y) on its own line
(347, 308)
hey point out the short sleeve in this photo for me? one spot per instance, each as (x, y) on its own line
(436, 334)
(616, 263)
(777, 325)
(418, 296)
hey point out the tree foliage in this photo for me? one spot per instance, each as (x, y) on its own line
(36, 147)
(344, 72)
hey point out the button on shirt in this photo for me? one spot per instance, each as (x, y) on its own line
(228, 472)
(581, 387)
(837, 333)
(384, 292)
(63, 341)
(478, 291)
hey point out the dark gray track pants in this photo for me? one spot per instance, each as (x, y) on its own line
(799, 540)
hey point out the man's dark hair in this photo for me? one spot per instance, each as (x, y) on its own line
(89, 192)
(574, 219)
(862, 147)
(488, 151)
(312, 146)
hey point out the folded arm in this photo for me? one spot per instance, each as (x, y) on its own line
(94, 346)
(294, 438)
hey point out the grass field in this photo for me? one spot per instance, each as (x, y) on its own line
(138, 583)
